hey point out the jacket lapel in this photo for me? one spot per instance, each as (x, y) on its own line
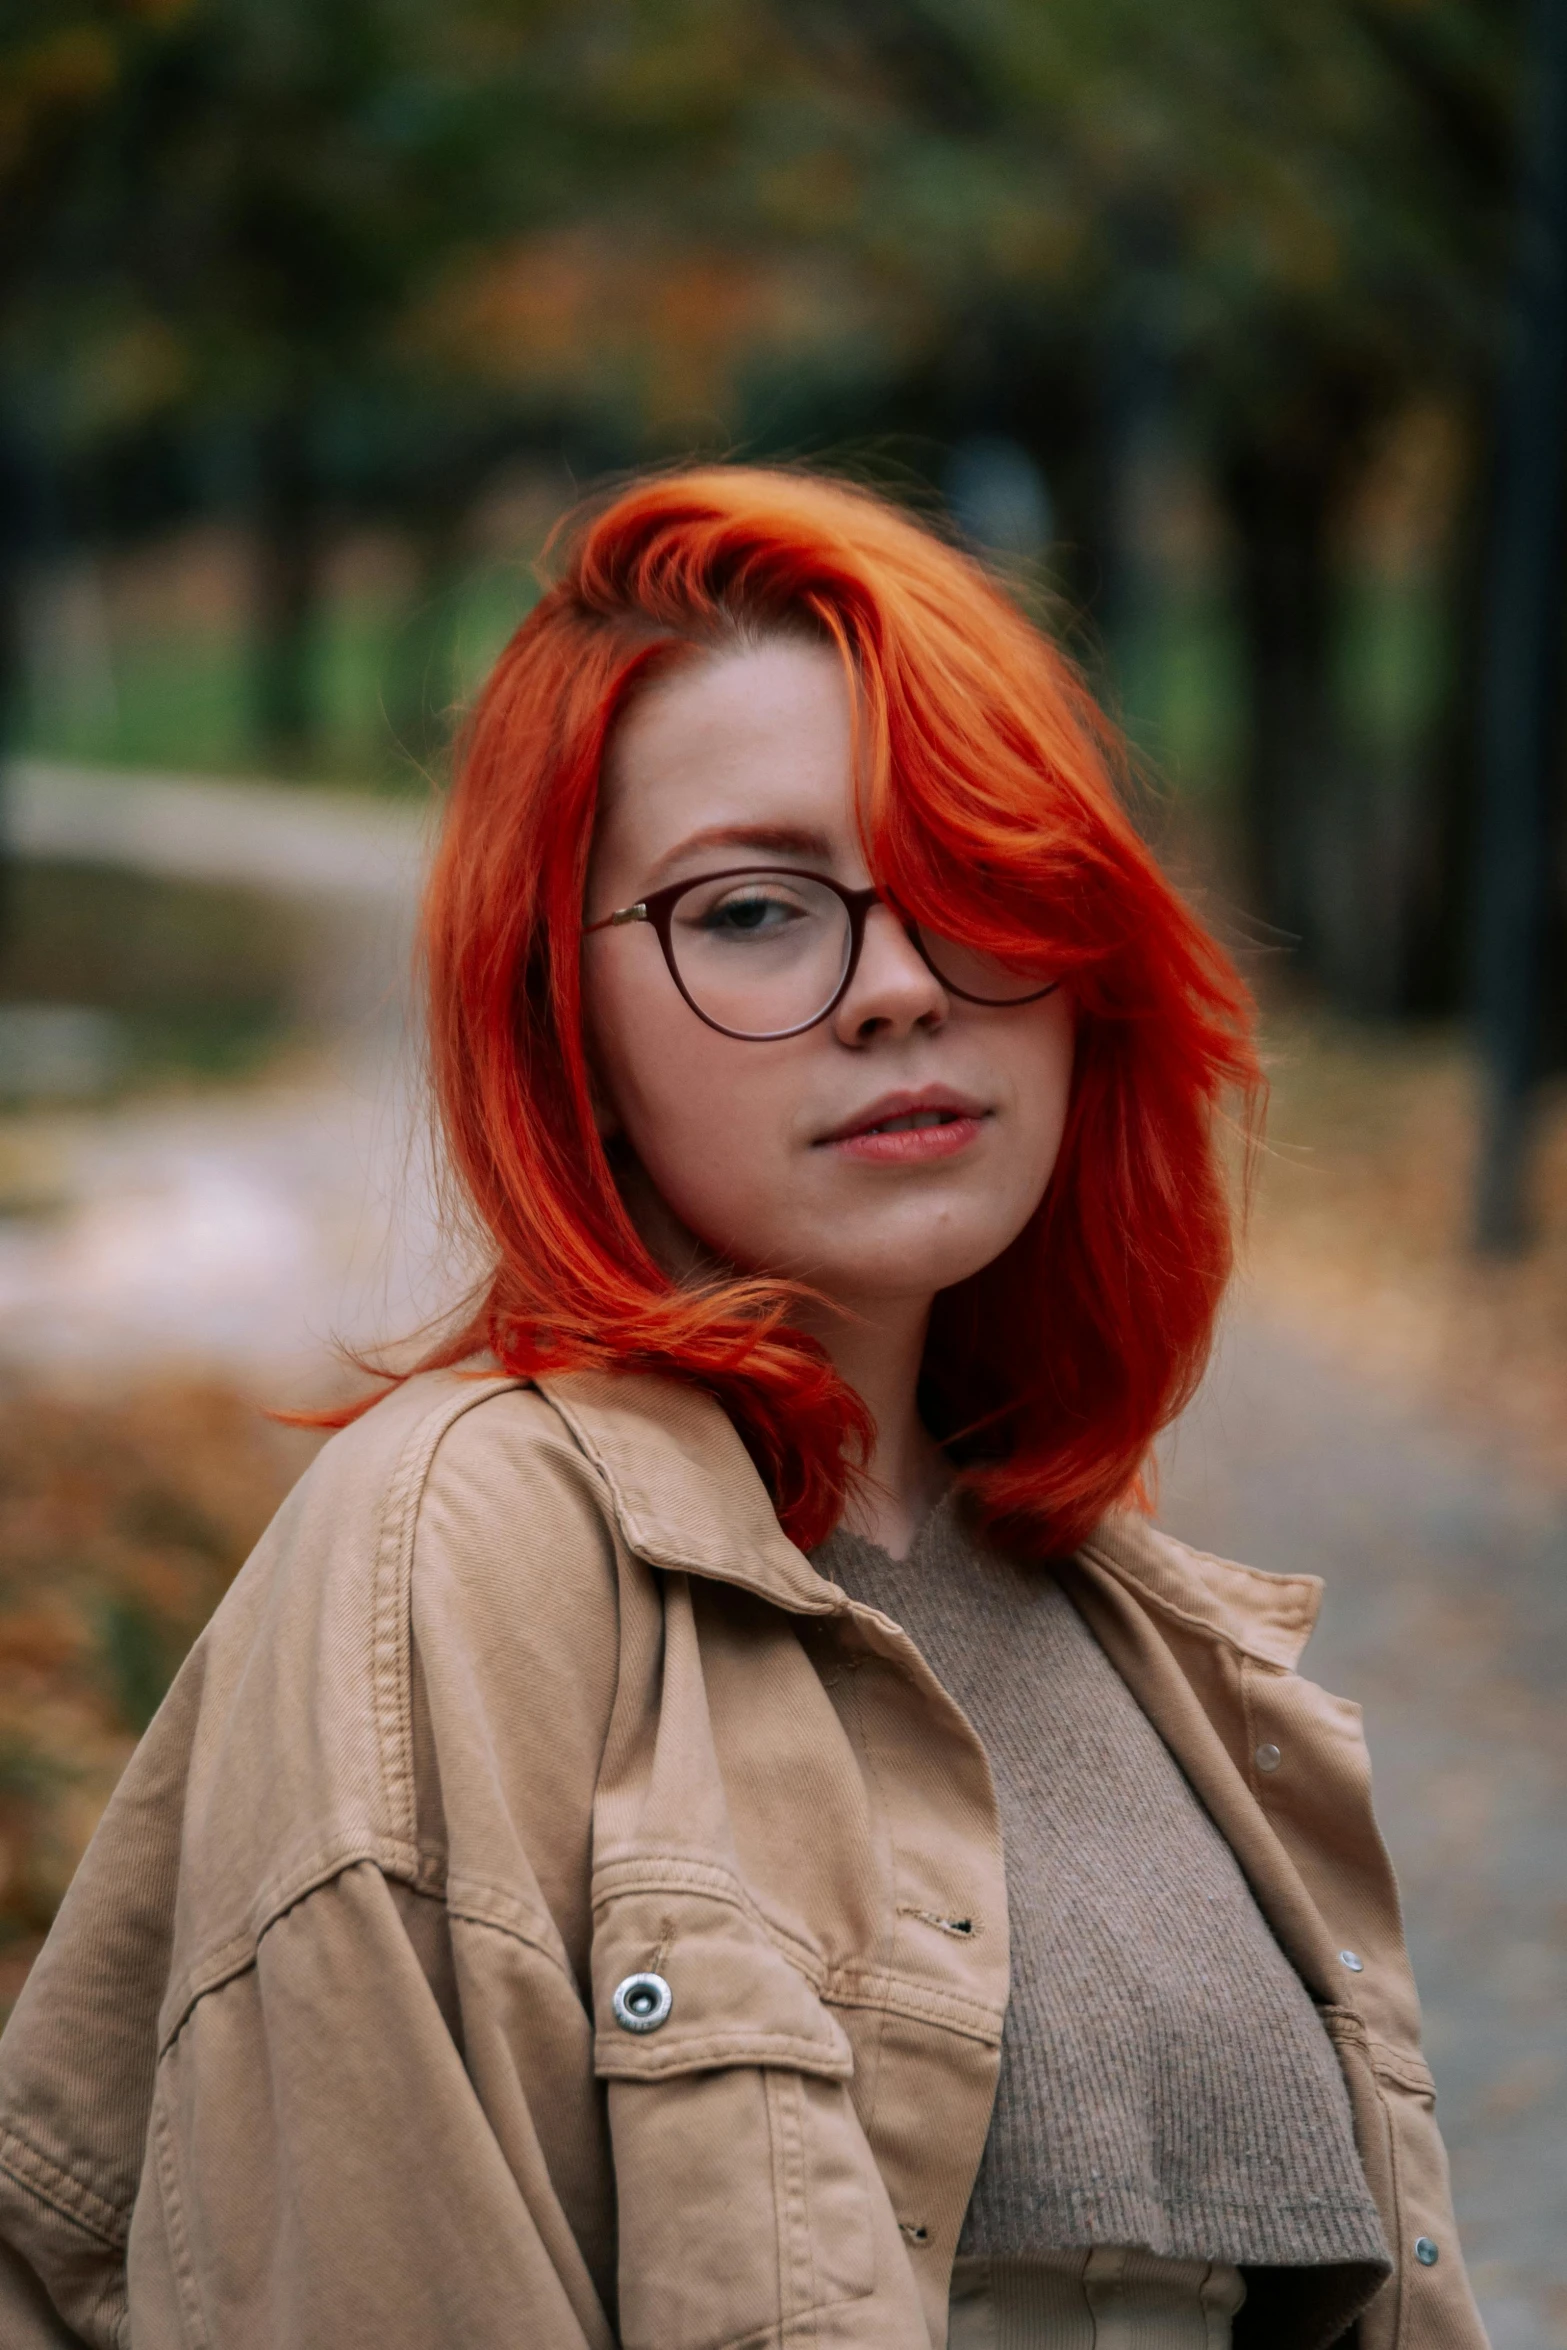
(685, 1491)
(1110, 1597)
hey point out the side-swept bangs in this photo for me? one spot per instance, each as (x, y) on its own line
(989, 807)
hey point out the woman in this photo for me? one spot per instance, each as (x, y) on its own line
(710, 1818)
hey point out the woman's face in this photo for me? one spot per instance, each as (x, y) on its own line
(886, 1153)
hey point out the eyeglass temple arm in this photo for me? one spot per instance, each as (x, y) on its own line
(636, 913)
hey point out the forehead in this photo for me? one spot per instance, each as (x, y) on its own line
(761, 736)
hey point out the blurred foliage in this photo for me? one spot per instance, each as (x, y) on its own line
(330, 262)
(197, 980)
(122, 1523)
(627, 210)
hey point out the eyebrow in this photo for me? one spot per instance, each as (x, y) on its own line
(778, 840)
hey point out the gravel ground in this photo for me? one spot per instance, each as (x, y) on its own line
(1445, 1616)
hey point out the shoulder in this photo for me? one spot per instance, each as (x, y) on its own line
(489, 1422)
(1269, 1616)
(513, 1534)
(448, 1459)
(447, 1510)
(419, 1542)
(465, 1488)
(502, 1460)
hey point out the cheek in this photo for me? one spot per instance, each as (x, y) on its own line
(1042, 1054)
(700, 1111)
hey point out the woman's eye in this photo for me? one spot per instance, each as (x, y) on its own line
(752, 916)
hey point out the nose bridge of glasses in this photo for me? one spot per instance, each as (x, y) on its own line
(914, 979)
(866, 902)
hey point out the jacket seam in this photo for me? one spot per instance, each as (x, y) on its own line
(889, 1994)
(1308, 1585)
(185, 2280)
(390, 1626)
(675, 1873)
(851, 1985)
(1391, 2066)
(1248, 1666)
(1396, 2169)
(470, 1913)
(796, 2261)
(783, 2051)
(62, 2191)
(238, 1951)
(1400, 2068)
(793, 2333)
(856, 1706)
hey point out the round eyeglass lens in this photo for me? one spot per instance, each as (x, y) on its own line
(976, 976)
(762, 954)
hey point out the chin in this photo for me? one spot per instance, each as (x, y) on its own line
(900, 1272)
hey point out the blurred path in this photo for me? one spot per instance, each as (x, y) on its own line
(244, 1232)
(269, 836)
(243, 1229)
(1446, 1617)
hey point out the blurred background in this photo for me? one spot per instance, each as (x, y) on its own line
(1234, 337)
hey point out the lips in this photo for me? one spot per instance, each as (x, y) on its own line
(907, 1129)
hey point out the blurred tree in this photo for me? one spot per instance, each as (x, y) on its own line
(1266, 228)
(274, 177)
(60, 68)
(270, 192)
(1523, 644)
(378, 249)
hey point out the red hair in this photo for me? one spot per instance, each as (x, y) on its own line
(989, 810)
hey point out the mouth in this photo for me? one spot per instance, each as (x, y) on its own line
(910, 1129)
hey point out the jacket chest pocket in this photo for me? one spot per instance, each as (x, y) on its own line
(743, 2179)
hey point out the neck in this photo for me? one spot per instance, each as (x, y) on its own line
(878, 1350)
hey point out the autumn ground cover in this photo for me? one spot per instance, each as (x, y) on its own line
(1360, 1237)
(122, 1522)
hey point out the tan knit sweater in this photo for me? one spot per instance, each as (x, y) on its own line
(1165, 2078)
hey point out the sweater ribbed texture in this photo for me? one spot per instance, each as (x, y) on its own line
(1166, 2081)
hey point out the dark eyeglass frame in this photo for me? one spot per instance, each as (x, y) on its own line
(657, 909)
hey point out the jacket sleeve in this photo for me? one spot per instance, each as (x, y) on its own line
(320, 2169)
(305, 2061)
(77, 2059)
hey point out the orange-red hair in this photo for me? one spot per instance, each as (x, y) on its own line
(989, 810)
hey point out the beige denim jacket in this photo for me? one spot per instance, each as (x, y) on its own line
(523, 1693)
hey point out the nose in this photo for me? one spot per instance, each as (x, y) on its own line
(894, 991)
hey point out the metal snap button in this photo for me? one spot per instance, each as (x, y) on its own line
(642, 2002)
(1352, 1959)
(1268, 1758)
(1426, 2252)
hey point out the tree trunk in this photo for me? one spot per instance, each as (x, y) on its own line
(1436, 977)
(24, 506)
(1281, 502)
(421, 691)
(1334, 834)
(287, 590)
(1521, 702)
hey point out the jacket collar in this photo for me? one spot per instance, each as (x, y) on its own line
(1266, 1616)
(687, 1496)
(684, 1490)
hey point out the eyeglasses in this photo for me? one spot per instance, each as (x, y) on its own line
(762, 954)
